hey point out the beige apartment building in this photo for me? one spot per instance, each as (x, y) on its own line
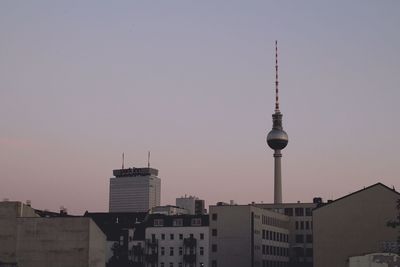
(246, 235)
(354, 225)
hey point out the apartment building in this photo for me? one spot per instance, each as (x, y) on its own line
(177, 241)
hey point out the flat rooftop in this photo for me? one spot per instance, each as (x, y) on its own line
(131, 172)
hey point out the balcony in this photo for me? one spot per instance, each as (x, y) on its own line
(189, 258)
(190, 242)
(137, 250)
(152, 258)
(151, 243)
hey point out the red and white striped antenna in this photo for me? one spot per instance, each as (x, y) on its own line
(276, 78)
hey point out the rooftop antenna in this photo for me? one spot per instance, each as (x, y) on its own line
(148, 159)
(123, 159)
(276, 78)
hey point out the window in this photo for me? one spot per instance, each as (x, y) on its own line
(180, 251)
(301, 225)
(171, 264)
(297, 225)
(263, 234)
(299, 252)
(171, 236)
(309, 252)
(299, 238)
(196, 222)
(180, 264)
(214, 263)
(267, 234)
(288, 211)
(307, 225)
(180, 236)
(308, 212)
(201, 236)
(191, 235)
(153, 237)
(299, 211)
(162, 251)
(201, 251)
(158, 222)
(214, 232)
(163, 236)
(214, 216)
(171, 251)
(177, 222)
(214, 248)
(162, 264)
(309, 238)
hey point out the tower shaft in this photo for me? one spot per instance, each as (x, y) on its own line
(277, 177)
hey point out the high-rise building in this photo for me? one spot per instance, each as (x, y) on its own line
(134, 190)
(277, 138)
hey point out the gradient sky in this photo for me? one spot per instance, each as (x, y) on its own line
(193, 81)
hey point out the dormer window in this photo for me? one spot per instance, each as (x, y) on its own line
(196, 222)
(158, 222)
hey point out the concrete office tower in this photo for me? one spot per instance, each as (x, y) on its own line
(277, 138)
(191, 203)
(134, 190)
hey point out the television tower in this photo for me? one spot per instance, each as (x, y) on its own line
(277, 138)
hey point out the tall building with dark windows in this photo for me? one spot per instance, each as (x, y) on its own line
(134, 190)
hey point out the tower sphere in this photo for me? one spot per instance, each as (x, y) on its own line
(277, 139)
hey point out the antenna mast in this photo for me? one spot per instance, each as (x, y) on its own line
(276, 78)
(148, 159)
(123, 160)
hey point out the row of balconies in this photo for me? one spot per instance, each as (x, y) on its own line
(150, 251)
(190, 258)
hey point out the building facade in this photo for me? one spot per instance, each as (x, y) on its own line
(177, 241)
(246, 235)
(28, 240)
(356, 224)
(134, 190)
(300, 230)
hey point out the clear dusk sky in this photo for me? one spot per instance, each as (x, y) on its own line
(193, 81)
